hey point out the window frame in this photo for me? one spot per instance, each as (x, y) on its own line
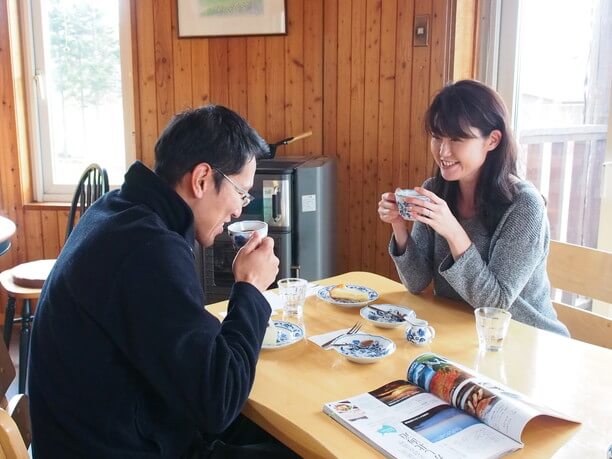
(498, 61)
(44, 190)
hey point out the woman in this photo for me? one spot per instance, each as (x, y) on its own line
(483, 236)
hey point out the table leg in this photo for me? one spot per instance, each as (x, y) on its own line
(9, 315)
(24, 345)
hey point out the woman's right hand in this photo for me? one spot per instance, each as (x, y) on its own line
(389, 213)
(387, 209)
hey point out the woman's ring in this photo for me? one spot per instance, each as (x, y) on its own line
(428, 213)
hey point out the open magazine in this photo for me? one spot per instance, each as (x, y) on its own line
(443, 411)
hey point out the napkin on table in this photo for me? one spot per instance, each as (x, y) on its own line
(325, 337)
(276, 302)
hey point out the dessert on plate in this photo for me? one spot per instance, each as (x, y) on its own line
(342, 292)
(271, 334)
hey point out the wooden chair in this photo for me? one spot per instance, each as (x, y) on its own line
(92, 184)
(587, 272)
(19, 410)
(7, 374)
(23, 283)
(15, 425)
(12, 445)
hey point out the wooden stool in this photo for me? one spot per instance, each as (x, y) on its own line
(32, 274)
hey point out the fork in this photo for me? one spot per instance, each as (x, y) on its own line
(354, 329)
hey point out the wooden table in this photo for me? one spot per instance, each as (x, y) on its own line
(292, 384)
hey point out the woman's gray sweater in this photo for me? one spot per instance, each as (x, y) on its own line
(506, 270)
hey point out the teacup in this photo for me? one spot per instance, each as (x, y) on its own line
(419, 332)
(403, 205)
(240, 232)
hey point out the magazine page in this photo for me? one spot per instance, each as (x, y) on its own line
(402, 420)
(493, 403)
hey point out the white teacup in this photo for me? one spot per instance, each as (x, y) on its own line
(402, 204)
(240, 232)
(419, 332)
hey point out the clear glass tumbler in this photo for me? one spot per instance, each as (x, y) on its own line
(292, 291)
(492, 327)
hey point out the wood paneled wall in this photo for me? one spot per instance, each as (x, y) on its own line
(347, 70)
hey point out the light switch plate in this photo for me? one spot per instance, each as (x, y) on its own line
(421, 30)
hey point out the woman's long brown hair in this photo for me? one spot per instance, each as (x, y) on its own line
(454, 112)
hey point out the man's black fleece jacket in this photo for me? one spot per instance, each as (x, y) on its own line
(125, 361)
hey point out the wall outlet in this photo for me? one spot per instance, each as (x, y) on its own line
(421, 30)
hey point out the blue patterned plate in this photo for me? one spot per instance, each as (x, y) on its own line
(390, 318)
(364, 348)
(323, 294)
(286, 334)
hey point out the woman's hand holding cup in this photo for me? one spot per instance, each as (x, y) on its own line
(388, 210)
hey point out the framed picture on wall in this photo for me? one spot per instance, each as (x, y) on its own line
(215, 18)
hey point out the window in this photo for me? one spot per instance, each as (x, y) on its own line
(551, 62)
(78, 53)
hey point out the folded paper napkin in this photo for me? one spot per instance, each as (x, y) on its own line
(276, 302)
(319, 340)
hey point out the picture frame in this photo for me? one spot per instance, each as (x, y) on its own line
(222, 18)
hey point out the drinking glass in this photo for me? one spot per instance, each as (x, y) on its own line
(292, 291)
(492, 326)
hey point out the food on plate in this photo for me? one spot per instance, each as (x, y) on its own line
(342, 292)
(271, 334)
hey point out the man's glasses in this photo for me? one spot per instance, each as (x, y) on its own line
(244, 194)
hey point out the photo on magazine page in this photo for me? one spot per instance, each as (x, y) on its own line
(437, 375)
(440, 422)
(348, 410)
(395, 392)
(493, 403)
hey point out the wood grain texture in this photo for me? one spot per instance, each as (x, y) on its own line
(356, 189)
(346, 227)
(371, 194)
(313, 78)
(183, 82)
(386, 112)
(256, 82)
(294, 77)
(347, 70)
(237, 75)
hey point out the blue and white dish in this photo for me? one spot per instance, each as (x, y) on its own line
(388, 319)
(363, 347)
(323, 294)
(287, 334)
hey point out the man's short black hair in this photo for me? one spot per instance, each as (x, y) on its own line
(210, 134)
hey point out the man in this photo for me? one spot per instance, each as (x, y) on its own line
(125, 362)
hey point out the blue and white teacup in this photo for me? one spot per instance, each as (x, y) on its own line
(240, 232)
(404, 207)
(419, 332)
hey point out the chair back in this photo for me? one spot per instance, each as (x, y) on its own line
(7, 373)
(12, 445)
(92, 184)
(19, 410)
(588, 272)
(15, 425)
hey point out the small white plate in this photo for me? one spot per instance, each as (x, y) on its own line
(382, 320)
(287, 334)
(363, 347)
(323, 294)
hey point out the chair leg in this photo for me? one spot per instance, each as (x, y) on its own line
(9, 315)
(24, 345)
